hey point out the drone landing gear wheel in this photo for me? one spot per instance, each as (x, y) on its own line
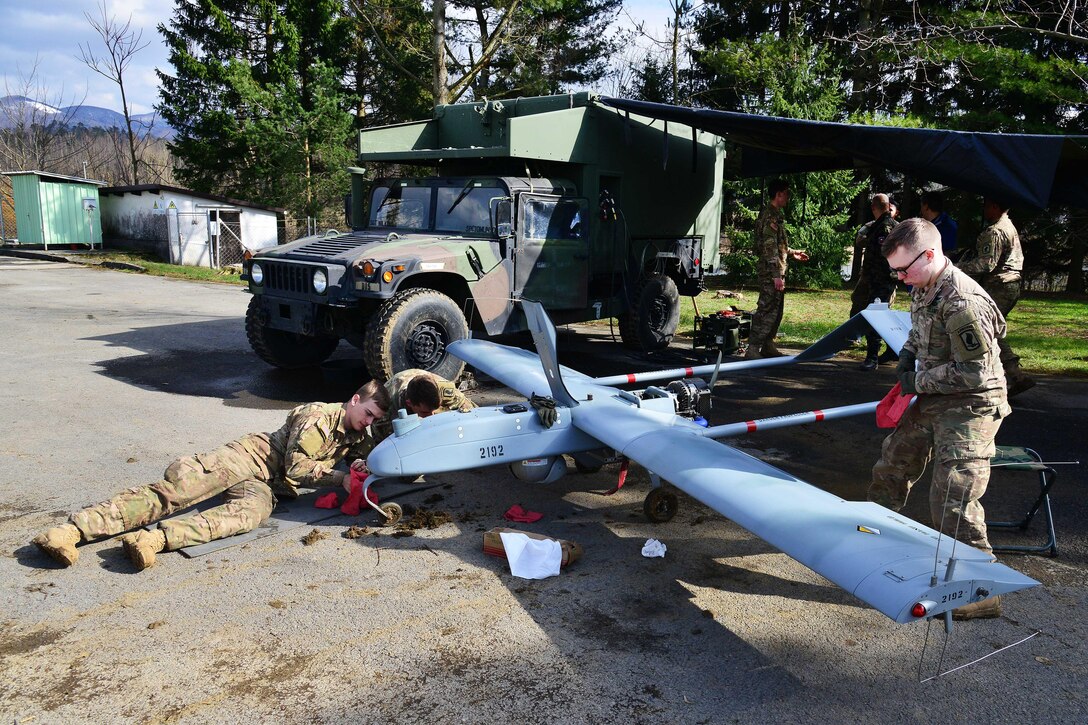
(393, 513)
(660, 505)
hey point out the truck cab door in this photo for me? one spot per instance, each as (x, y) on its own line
(551, 251)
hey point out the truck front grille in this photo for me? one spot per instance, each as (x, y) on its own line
(287, 277)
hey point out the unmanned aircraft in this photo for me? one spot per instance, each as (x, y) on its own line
(898, 566)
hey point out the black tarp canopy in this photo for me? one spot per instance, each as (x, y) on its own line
(1031, 169)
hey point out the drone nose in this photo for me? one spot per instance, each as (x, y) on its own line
(383, 460)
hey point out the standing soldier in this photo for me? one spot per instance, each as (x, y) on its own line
(997, 266)
(950, 360)
(419, 392)
(932, 210)
(773, 254)
(303, 452)
(876, 281)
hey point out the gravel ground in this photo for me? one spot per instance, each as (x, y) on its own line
(106, 377)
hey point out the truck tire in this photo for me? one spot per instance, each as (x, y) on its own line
(282, 349)
(412, 330)
(652, 321)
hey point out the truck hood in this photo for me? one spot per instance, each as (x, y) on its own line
(347, 248)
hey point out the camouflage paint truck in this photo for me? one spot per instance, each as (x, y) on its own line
(558, 199)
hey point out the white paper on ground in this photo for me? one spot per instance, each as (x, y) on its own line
(652, 548)
(532, 558)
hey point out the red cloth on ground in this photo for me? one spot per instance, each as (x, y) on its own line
(517, 513)
(328, 501)
(354, 504)
(890, 410)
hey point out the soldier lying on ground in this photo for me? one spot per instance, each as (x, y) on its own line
(303, 452)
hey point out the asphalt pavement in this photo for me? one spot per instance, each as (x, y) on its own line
(105, 377)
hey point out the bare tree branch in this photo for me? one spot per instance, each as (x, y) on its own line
(122, 44)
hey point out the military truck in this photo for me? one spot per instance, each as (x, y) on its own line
(560, 199)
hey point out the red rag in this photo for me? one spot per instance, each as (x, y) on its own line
(354, 504)
(524, 516)
(328, 501)
(890, 410)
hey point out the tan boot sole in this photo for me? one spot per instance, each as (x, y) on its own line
(66, 554)
(140, 556)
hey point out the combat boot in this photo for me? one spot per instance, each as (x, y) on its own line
(141, 547)
(769, 350)
(60, 543)
(986, 609)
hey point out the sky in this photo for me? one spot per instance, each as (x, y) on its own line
(43, 37)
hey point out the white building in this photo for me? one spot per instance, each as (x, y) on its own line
(187, 227)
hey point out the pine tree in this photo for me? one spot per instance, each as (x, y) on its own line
(257, 100)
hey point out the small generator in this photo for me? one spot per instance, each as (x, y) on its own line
(722, 330)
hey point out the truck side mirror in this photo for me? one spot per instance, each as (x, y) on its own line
(502, 209)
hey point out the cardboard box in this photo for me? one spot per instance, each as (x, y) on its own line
(572, 551)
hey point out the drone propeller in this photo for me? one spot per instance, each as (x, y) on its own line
(717, 369)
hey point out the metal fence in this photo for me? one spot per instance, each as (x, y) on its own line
(226, 238)
(8, 228)
(292, 227)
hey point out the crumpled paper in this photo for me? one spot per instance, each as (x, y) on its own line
(532, 558)
(653, 548)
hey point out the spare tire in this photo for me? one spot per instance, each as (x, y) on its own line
(651, 322)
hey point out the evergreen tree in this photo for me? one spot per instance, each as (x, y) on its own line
(791, 77)
(257, 101)
(554, 45)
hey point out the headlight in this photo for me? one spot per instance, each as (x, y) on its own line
(256, 274)
(321, 282)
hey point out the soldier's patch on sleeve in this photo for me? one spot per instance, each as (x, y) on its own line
(968, 341)
(310, 441)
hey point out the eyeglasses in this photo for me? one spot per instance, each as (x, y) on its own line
(904, 270)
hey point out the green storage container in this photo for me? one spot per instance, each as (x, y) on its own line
(52, 209)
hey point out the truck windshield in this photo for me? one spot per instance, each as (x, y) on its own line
(403, 207)
(457, 209)
(465, 210)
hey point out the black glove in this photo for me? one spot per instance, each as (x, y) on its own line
(906, 362)
(545, 409)
(906, 381)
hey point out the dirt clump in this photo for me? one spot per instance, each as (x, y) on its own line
(354, 532)
(313, 537)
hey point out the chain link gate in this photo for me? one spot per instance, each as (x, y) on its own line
(226, 237)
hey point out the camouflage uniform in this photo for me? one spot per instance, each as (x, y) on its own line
(876, 280)
(246, 471)
(449, 398)
(772, 249)
(997, 267)
(961, 401)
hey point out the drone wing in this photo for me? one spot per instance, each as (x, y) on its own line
(888, 561)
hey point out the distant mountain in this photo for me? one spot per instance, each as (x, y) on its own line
(14, 109)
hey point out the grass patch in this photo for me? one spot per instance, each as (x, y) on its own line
(1047, 331)
(162, 269)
